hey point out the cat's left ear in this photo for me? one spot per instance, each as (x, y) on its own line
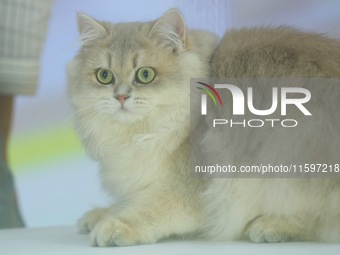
(89, 28)
(171, 28)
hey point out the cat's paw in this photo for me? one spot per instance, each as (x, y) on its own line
(111, 231)
(88, 221)
(267, 229)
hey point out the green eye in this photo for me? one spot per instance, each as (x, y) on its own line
(145, 75)
(105, 76)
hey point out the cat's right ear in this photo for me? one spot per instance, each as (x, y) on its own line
(171, 28)
(89, 28)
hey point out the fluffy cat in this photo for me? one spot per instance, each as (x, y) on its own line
(130, 85)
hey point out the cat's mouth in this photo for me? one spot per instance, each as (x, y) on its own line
(123, 109)
(125, 115)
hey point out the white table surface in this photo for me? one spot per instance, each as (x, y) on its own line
(66, 240)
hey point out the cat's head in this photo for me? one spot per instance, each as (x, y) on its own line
(132, 71)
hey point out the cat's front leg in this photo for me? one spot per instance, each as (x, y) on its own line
(146, 222)
(111, 231)
(90, 219)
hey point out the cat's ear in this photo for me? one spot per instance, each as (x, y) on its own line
(171, 28)
(89, 28)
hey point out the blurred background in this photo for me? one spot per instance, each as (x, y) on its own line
(55, 181)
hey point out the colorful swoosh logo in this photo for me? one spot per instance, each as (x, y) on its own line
(211, 91)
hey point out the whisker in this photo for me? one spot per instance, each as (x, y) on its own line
(63, 122)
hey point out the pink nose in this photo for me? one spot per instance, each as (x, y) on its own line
(122, 99)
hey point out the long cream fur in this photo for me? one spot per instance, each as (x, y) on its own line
(143, 148)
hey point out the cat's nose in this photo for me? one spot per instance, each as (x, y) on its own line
(122, 99)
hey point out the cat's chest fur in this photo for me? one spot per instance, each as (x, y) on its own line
(131, 167)
(136, 156)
